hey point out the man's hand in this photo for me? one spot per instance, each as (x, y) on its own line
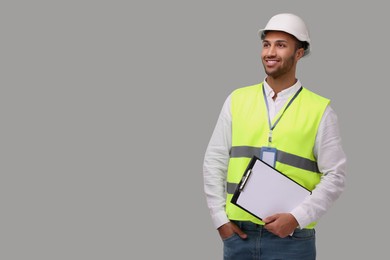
(228, 229)
(282, 224)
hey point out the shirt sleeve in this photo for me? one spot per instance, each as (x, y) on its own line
(215, 166)
(331, 161)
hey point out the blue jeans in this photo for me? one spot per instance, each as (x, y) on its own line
(263, 245)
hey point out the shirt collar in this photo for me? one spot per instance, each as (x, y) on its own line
(284, 93)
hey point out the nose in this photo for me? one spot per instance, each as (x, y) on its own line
(271, 51)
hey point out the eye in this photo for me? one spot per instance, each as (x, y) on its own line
(265, 44)
(281, 45)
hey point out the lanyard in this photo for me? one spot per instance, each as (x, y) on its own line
(272, 127)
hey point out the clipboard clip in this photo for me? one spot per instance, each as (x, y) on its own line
(244, 179)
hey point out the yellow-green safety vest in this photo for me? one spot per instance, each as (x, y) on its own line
(293, 137)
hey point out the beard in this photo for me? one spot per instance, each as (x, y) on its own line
(286, 66)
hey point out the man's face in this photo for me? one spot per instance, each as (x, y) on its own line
(279, 54)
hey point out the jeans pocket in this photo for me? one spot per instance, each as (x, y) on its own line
(233, 237)
(304, 234)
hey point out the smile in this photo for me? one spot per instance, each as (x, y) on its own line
(271, 62)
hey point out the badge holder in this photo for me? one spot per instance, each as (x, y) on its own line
(268, 155)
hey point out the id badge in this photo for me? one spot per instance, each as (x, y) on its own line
(268, 155)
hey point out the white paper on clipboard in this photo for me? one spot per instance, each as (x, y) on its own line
(268, 191)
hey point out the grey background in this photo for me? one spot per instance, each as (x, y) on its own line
(107, 108)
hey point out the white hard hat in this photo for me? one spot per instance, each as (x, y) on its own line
(289, 23)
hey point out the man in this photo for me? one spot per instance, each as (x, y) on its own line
(300, 126)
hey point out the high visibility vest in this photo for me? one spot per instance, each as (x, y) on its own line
(294, 138)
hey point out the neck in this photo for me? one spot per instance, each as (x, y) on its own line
(279, 84)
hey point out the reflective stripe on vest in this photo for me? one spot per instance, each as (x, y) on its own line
(294, 138)
(281, 156)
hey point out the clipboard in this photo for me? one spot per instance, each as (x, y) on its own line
(264, 191)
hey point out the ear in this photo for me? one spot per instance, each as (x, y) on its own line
(299, 53)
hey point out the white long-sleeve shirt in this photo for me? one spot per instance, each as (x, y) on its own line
(328, 150)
